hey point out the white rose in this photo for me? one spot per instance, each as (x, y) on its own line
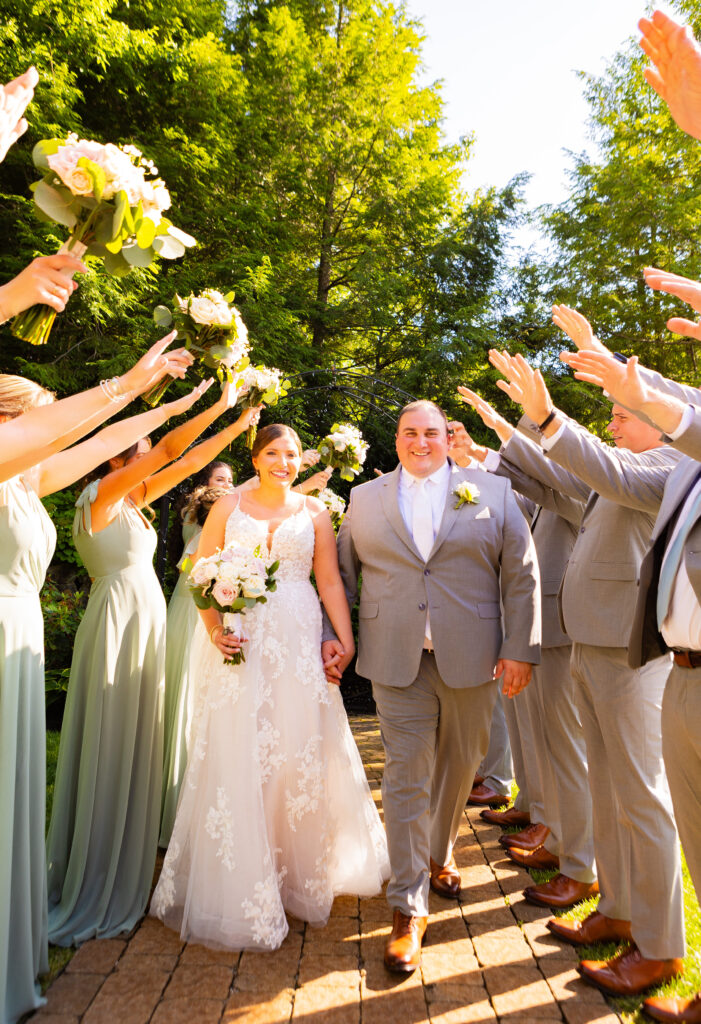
(254, 586)
(228, 572)
(202, 310)
(202, 573)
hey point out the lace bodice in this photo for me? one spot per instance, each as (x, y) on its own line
(292, 542)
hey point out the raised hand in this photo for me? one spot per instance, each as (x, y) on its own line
(577, 327)
(181, 405)
(310, 457)
(489, 416)
(14, 99)
(42, 282)
(461, 444)
(685, 289)
(622, 381)
(676, 71)
(523, 384)
(155, 365)
(249, 417)
(317, 481)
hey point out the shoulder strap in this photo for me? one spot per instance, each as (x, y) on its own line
(82, 520)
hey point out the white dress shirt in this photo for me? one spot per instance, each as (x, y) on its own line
(437, 489)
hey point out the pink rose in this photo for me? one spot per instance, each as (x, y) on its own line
(224, 593)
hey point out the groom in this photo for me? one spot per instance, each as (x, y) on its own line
(433, 638)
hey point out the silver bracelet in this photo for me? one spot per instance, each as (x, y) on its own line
(111, 389)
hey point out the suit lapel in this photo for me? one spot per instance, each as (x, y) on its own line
(450, 512)
(390, 506)
(682, 478)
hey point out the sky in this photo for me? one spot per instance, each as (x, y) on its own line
(509, 76)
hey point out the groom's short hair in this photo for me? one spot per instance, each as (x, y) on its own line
(422, 403)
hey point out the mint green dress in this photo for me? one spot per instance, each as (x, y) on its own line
(182, 619)
(27, 541)
(102, 840)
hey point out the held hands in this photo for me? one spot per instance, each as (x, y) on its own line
(14, 99)
(335, 659)
(41, 282)
(684, 289)
(523, 385)
(676, 71)
(156, 364)
(516, 675)
(578, 328)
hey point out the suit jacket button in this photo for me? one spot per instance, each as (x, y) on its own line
(427, 572)
(422, 607)
(583, 529)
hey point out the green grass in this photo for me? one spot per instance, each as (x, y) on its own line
(690, 981)
(58, 956)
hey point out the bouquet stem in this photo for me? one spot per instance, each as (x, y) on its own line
(153, 396)
(34, 324)
(251, 435)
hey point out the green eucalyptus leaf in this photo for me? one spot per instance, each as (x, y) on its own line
(136, 256)
(56, 204)
(162, 316)
(116, 265)
(44, 149)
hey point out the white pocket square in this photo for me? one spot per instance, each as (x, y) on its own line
(484, 514)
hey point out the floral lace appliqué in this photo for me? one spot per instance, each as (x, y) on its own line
(265, 910)
(310, 783)
(268, 739)
(219, 824)
(164, 896)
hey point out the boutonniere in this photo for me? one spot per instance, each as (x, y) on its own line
(467, 494)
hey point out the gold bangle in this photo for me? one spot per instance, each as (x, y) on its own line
(217, 625)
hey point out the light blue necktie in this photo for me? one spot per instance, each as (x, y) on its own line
(673, 557)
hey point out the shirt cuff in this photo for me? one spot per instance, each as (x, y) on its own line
(684, 423)
(492, 461)
(549, 442)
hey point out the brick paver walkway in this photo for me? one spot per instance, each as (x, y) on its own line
(486, 958)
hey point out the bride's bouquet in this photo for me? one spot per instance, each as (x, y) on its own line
(261, 384)
(211, 328)
(231, 580)
(343, 449)
(112, 202)
(335, 504)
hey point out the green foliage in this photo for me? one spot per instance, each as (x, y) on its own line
(63, 608)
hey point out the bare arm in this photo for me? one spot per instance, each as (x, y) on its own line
(212, 540)
(47, 429)
(330, 585)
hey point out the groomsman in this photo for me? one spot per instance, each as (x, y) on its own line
(668, 609)
(561, 833)
(635, 840)
(441, 550)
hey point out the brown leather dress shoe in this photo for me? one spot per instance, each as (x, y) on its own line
(445, 880)
(403, 947)
(629, 972)
(674, 1009)
(541, 858)
(560, 891)
(479, 779)
(594, 928)
(506, 819)
(485, 796)
(530, 838)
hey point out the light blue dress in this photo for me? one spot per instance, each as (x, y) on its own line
(27, 541)
(104, 825)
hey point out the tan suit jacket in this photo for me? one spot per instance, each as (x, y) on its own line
(482, 559)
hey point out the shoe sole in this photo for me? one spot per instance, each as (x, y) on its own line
(540, 901)
(591, 980)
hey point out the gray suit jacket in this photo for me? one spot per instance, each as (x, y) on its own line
(554, 534)
(483, 558)
(646, 642)
(599, 590)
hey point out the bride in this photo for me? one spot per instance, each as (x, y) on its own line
(275, 813)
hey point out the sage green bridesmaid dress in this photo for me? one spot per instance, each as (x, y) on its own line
(104, 826)
(27, 541)
(182, 619)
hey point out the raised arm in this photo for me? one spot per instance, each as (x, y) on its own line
(202, 454)
(15, 97)
(66, 467)
(675, 74)
(47, 429)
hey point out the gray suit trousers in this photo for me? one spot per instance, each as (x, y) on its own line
(434, 738)
(681, 746)
(498, 764)
(635, 838)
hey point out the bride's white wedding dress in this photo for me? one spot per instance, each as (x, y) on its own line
(275, 812)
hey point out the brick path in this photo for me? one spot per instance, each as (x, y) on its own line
(487, 958)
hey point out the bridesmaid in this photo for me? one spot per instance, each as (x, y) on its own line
(182, 619)
(104, 826)
(27, 539)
